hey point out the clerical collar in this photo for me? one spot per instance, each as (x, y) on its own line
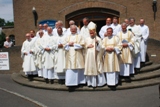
(29, 40)
(109, 37)
(132, 26)
(93, 37)
(115, 24)
(124, 31)
(74, 34)
(60, 35)
(108, 25)
(142, 25)
(50, 34)
(85, 26)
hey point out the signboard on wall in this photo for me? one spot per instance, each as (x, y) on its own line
(4, 61)
(51, 23)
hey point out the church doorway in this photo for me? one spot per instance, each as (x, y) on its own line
(97, 15)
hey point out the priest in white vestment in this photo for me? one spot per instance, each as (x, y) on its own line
(27, 53)
(45, 26)
(104, 28)
(84, 30)
(59, 55)
(116, 27)
(59, 24)
(48, 57)
(39, 52)
(112, 48)
(127, 42)
(40, 28)
(93, 60)
(74, 44)
(68, 31)
(137, 41)
(145, 34)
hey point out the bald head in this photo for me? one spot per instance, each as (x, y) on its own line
(60, 23)
(28, 36)
(49, 30)
(45, 26)
(71, 22)
(41, 33)
(124, 27)
(40, 26)
(73, 29)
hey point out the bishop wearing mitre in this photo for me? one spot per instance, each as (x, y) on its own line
(93, 60)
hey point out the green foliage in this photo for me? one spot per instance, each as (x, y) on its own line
(2, 22)
(8, 23)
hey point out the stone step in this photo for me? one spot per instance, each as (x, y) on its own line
(144, 76)
(148, 63)
(145, 73)
(38, 84)
(149, 68)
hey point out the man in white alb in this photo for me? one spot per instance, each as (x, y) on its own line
(137, 41)
(84, 30)
(104, 28)
(27, 54)
(112, 48)
(48, 57)
(127, 42)
(74, 60)
(145, 34)
(116, 27)
(59, 56)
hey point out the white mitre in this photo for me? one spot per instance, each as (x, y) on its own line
(92, 26)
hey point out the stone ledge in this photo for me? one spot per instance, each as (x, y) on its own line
(36, 84)
(149, 68)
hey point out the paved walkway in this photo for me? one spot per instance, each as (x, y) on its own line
(14, 95)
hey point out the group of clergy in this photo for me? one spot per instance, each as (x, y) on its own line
(80, 56)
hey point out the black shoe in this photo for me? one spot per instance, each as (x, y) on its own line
(47, 81)
(30, 77)
(52, 81)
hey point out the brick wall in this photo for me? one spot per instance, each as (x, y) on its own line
(15, 60)
(57, 9)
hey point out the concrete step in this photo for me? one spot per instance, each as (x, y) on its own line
(146, 72)
(147, 63)
(149, 68)
(144, 76)
(38, 84)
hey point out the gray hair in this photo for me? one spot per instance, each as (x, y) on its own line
(71, 21)
(124, 24)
